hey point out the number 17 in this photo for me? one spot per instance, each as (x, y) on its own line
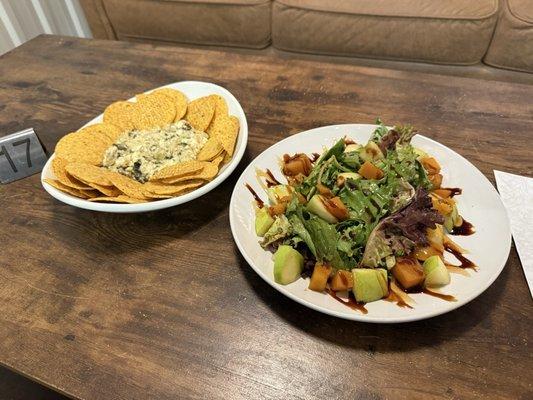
(3, 152)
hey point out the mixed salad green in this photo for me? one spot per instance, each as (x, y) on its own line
(360, 218)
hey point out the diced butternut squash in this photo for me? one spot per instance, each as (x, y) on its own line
(319, 278)
(336, 207)
(408, 272)
(342, 280)
(436, 180)
(277, 209)
(296, 165)
(430, 165)
(370, 171)
(301, 198)
(324, 190)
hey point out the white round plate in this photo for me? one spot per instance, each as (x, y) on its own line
(480, 204)
(193, 90)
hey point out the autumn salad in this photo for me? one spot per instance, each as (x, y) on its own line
(370, 221)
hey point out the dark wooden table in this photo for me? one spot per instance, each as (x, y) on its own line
(162, 305)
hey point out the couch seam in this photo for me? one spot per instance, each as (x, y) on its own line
(341, 54)
(498, 20)
(496, 64)
(508, 68)
(515, 14)
(491, 14)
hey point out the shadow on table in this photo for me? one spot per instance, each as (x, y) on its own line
(371, 336)
(17, 387)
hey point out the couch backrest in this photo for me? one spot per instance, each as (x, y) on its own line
(455, 32)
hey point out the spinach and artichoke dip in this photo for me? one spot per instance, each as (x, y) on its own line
(139, 154)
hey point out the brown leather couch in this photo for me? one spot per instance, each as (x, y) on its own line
(495, 33)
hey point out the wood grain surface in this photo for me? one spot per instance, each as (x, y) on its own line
(162, 305)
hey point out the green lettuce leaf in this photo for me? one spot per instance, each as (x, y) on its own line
(299, 229)
(324, 237)
(379, 132)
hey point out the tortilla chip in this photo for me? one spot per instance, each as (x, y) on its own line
(106, 129)
(200, 112)
(180, 169)
(227, 158)
(226, 130)
(89, 194)
(208, 172)
(58, 168)
(221, 107)
(221, 110)
(120, 114)
(179, 99)
(110, 191)
(64, 188)
(128, 186)
(83, 147)
(89, 174)
(217, 161)
(153, 110)
(168, 189)
(152, 196)
(211, 149)
(118, 199)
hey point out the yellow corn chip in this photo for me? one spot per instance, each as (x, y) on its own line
(120, 114)
(89, 173)
(83, 147)
(221, 107)
(64, 188)
(154, 110)
(227, 158)
(89, 194)
(180, 101)
(168, 189)
(58, 167)
(180, 169)
(126, 185)
(118, 199)
(208, 172)
(200, 113)
(217, 161)
(152, 196)
(106, 129)
(226, 130)
(221, 110)
(110, 191)
(211, 149)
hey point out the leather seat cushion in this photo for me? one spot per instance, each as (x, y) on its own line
(512, 44)
(445, 31)
(241, 23)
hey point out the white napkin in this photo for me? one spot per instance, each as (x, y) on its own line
(517, 196)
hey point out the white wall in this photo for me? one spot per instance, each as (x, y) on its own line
(22, 20)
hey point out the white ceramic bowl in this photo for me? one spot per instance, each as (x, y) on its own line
(192, 90)
(480, 204)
